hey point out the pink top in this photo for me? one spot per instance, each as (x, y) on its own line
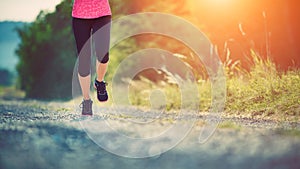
(89, 9)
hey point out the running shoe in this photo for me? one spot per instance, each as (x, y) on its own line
(86, 106)
(101, 91)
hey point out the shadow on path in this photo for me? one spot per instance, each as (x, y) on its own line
(46, 145)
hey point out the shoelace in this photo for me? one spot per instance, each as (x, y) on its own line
(82, 105)
(101, 89)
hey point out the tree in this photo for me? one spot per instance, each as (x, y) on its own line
(47, 55)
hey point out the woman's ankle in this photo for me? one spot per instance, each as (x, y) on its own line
(86, 98)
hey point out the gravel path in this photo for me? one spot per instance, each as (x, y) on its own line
(48, 135)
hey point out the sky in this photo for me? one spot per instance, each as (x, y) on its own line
(24, 10)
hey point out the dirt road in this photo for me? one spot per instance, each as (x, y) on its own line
(48, 135)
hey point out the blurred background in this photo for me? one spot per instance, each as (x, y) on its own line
(37, 49)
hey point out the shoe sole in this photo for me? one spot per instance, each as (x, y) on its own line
(87, 114)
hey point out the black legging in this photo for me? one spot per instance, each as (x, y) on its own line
(99, 30)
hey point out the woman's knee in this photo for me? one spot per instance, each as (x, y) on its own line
(105, 59)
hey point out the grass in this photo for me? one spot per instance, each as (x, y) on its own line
(263, 92)
(230, 125)
(141, 94)
(11, 93)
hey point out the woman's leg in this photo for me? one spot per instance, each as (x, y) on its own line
(85, 83)
(101, 69)
(101, 37)
(82, 34)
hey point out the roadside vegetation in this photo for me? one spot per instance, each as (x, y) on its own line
(262, 92)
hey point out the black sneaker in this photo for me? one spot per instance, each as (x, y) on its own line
(86, 106)
(101, 91)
